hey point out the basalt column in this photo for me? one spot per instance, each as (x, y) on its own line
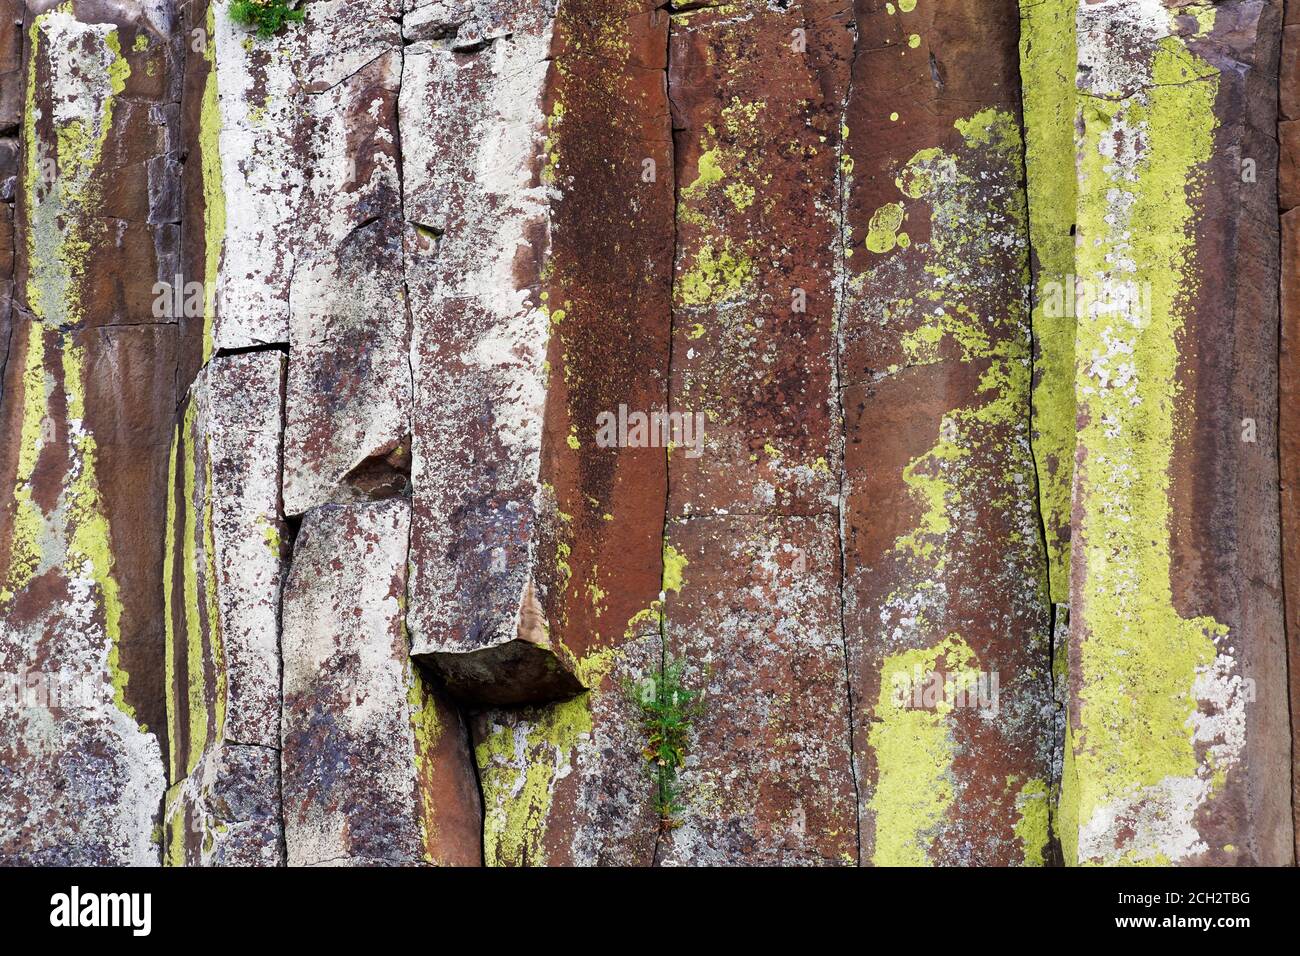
(752, 558)
(566, 783)
(85, 422)
(1177, 748)
(946, 604)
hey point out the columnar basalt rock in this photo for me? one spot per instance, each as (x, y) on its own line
(565, 784)
(753, 575)
(474, 150)
(226, 552)
(88, 399)
(389, 404)
(945, 584)
(1176, 749)
(376, 763)
(349, 388)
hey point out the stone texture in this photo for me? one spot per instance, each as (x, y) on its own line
(89, 382)
(226, 555)
(945, 577)
(566, 784)
(335, 349)
(349, 390)
(1175, 749)
(758, 98)
(376, 764)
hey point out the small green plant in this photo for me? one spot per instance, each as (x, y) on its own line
(667, 708)
(267, 15)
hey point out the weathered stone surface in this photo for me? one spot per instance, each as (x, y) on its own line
(375, 762)
(977, 321)
(567, 783)
(89, 383)
(349, 394)
(82, 443)
(1175, 614)
(755, 618)
(226, 555)
(758, 98)
(945, 583)
(474, 130)
(1289, 393)
(100, 174)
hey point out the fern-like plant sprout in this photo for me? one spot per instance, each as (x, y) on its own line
(268, 16)
(668, 709)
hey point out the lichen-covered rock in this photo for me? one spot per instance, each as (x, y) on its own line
(226, 552)
(945, 597)
(349, 389)
(89, 391)
(1175, 618)
(81, 771)
(754, 616)
(566, 783)
(753, 569)
(474, 146)
(375, 762)
(397, 410)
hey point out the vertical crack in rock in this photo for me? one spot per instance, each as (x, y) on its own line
(1048, 61)
(375, 760)
(947, 612)
(845, 242)
(85, 423)
(1288, 135)
(752, 556)
(1177, 722)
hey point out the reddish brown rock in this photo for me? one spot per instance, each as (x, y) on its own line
(534, 546)
(758, 95)
(945, 584)
(567, 783)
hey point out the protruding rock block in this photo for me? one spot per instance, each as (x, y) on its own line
(227, 549)
(946, 604)
(474, 132)
(1177, 732)
(499, 442)
(554, 794)
(376, 763)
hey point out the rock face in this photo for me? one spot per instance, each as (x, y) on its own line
(1177, 745)
(376, 764)
(223, 574)
(587, 432)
